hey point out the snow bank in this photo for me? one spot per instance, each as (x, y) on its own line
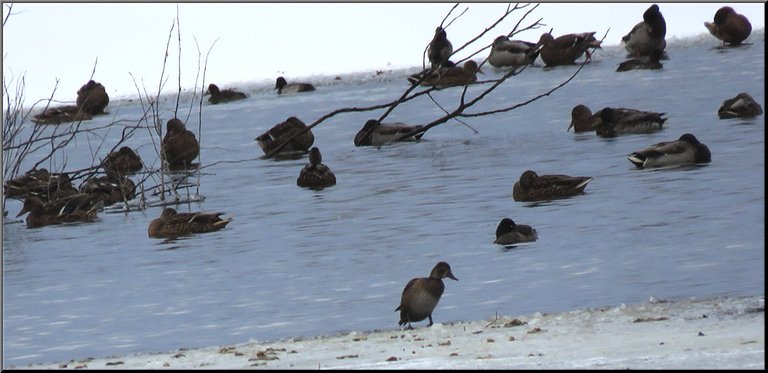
(719, 333)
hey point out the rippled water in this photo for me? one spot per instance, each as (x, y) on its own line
(297, 262)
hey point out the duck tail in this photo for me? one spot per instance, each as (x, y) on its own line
(636, 160)
(413, 79)
(583, 184)
(222, 224)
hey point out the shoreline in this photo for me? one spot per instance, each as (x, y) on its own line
(265, 85)
(691, 333)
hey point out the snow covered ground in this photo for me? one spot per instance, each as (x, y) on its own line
(715, 333)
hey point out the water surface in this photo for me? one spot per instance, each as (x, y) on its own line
(296, 262)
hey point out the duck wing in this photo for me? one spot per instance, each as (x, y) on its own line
(635, 29)
(514, 46)
(394, 129)
(556, 180)
(633, 116)
(671, 150)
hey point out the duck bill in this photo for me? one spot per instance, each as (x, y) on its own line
(569, 127)
(451, 276)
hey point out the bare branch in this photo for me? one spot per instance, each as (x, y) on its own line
(449, 14)
(178, 34)
(93, 72)
(455, 18)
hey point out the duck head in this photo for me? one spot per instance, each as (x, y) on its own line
(527, 179)
(31, 203)
(280, 83)
(470, 67)
(175, 125)
(442, 270)
(505, 226)
(213, 89)
(579, 113)
(652, 16)
(722, 14)
(364, 133)
(440, 34)
(499, 40)
(315, 158)
(168, 213)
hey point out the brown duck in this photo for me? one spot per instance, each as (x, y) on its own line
(41, 183)
(450, 76)
(122, 162)
(180, 147)
(92, 97)
(741, 106)
(270, 140)
(730, 27)
(421, 295)
(110, 190)
(218, 96)
(534, 187)
(173, 224)
(61, 114)
(75, 208)
(565, 49)
(316, 175)
(651, 62)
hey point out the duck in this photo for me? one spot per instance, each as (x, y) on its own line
(421, 295)
(92, 98)
(218, 96)
(582, 119)
(534, 187)
(684, 151)
(121, 162)
(440, 48)
(375, 133)
(74, 208)
(651, 62)
(509, 233)
(730, 27)
(61, 114)
(180, 146)
(41, 183)
(512, 53)
(565, 49)
(172, 224)
(21, 185)
(450, 76)
(648, 35)
(282, 86)
(616, 121)
(741, 106)
(270, 140)
(316, 175)
(110, 189)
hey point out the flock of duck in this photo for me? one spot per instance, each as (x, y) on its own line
(50, 198)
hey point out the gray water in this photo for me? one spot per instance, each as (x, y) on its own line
(296, 262)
